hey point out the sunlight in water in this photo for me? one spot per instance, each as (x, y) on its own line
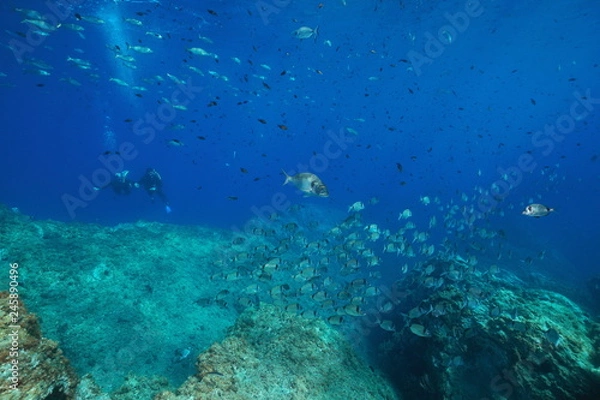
(116, 35)
(110, 140)
(116, 39)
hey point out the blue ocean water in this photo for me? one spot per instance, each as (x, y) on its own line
(471, 107)
(488, 105)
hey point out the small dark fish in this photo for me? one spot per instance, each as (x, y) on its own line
(282, 127)
(399, 167)
(213, 12)
(217, 373)
(532, 101)
(335, 320)
(203, 301)
(266, 86)
(238, 240)
(221, 303)
(201, 137)
(283, 72)
(232, 198)
(262, 121)
(243, 170)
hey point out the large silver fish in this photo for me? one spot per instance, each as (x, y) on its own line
(308, 183)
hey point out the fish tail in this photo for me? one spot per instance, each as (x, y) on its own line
(287, 177)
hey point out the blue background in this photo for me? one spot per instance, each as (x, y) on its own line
(472, 110)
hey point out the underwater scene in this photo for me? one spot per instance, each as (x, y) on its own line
(293, 199)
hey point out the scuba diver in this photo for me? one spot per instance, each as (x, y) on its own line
(120, 184)
(152, 183)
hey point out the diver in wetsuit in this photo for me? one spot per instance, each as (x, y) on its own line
(120, 184)
(152, 183)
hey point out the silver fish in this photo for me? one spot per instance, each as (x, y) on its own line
(309, 184)
(537, 210)
(305, 32)
(420, 330)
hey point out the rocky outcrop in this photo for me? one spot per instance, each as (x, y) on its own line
(274, 355)
(31, 366)
(492, 338)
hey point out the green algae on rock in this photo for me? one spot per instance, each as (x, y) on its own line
(271, 354)
(120, 298)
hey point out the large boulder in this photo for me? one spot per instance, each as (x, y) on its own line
(271, 354)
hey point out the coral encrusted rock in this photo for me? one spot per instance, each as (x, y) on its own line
(31, 366)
